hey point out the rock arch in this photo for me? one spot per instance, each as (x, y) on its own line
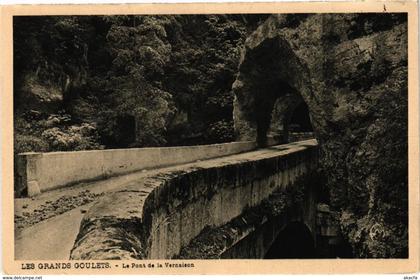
(268, 89)
(295, 241)
(351, 71)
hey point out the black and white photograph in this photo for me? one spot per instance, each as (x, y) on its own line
(210, 136)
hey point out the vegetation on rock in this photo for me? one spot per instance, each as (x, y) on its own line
(92, 82)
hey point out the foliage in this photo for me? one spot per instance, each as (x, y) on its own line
(114, 70)
(206, 51)
(54, 133)
(72, 138)
(221, 131)
(30, 143)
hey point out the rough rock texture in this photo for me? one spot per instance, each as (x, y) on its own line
(351, 70)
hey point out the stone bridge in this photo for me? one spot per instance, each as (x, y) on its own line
(224, 205)
(235, 204)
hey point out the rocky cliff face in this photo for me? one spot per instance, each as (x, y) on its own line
(351, 70)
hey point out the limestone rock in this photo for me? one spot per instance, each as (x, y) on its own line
(351, 70)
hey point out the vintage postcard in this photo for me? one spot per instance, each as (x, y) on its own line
(246, 138)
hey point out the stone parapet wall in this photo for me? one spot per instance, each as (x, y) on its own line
(38, 172)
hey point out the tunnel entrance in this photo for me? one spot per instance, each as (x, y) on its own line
(300, 126)
(272, 93)
(289, 121)
(300, 120)
(293, 242)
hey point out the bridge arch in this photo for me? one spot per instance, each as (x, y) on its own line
(295, 240)
(268, 89)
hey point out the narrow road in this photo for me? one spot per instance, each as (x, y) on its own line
(51, 239)
(48, 232)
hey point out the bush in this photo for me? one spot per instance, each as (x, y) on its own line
(221, 131)
(72, 138)
(29, 143)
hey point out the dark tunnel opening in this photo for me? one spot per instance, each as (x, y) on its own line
(299, 125)
(300, 120)
(293, 242)
(281, 114)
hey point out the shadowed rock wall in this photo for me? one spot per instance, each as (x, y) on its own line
(351, 70)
